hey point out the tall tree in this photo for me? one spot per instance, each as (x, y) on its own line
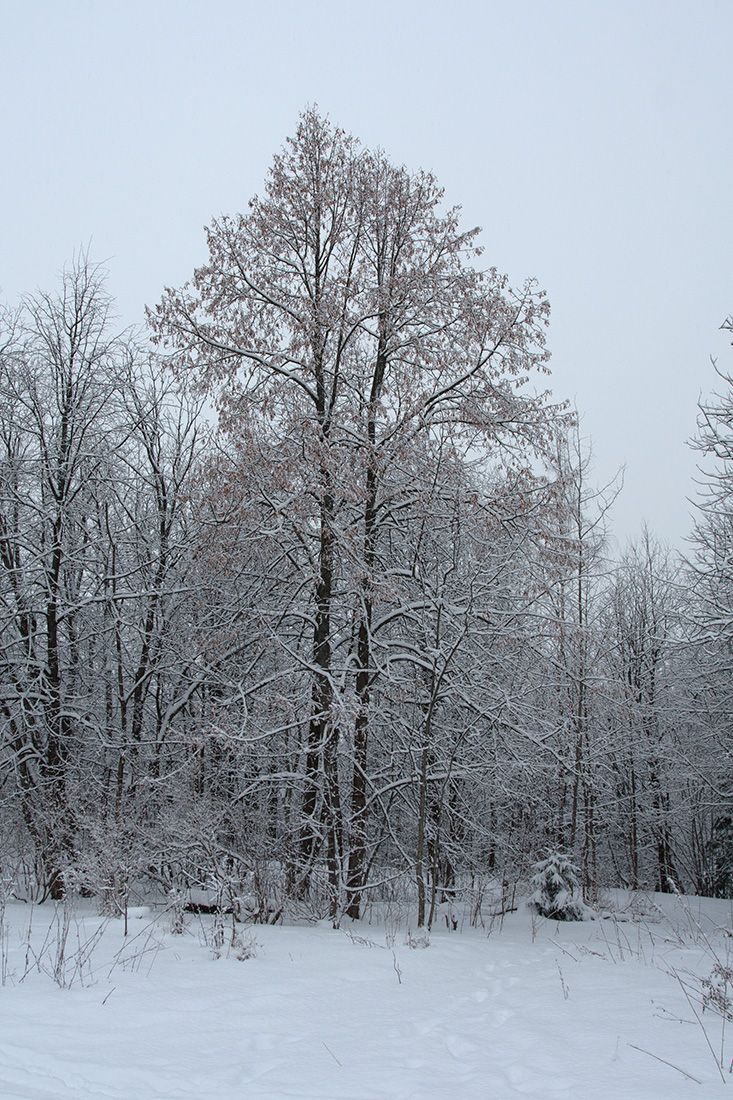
(340, 321)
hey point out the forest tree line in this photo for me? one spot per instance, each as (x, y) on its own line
(306, 592)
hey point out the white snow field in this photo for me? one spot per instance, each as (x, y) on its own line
(590, 1011)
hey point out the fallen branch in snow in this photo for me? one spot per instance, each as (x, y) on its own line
(362, 940)
(207, 908)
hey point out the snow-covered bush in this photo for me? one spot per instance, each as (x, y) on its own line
(176, 911)
(418, 940)
(717, 990)
(556, 889)
(244, 945)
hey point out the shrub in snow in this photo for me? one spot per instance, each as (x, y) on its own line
(717, 991)
(244, 946)
(556, 889)
(418, 941)
(217, 934)
(176, 910)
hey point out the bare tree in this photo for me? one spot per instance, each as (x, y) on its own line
(341, 320)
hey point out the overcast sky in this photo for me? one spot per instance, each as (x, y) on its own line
(593, 142)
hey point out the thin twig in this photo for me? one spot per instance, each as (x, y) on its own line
(666, 1063)
(702, 1026)
(332, 1054)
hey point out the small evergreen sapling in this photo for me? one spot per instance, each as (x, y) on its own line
(556, 889)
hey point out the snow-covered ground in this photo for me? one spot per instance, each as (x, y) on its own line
(590, 1011)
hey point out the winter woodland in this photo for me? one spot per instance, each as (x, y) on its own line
(307, 594)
